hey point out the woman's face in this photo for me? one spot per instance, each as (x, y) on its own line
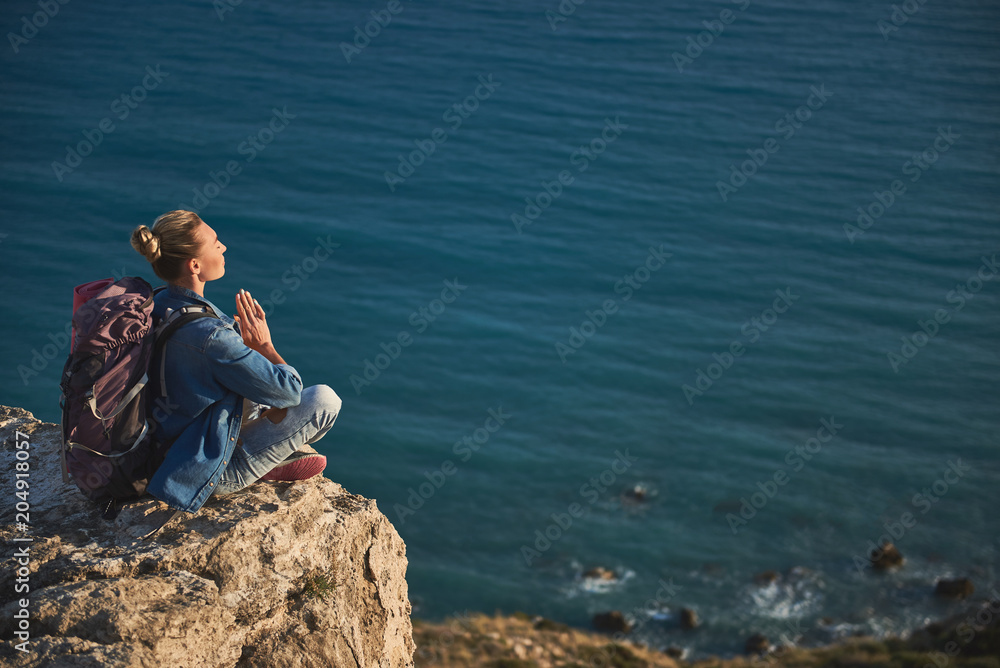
(211, 262)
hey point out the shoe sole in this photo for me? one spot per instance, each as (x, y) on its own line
(302, 468)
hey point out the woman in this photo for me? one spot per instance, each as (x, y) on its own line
(215, 370)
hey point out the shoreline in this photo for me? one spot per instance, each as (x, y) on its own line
(969, 639)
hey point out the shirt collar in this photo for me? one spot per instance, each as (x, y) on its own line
(183, 293)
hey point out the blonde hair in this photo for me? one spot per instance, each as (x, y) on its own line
(170, 243)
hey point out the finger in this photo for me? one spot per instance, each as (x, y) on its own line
(260, 310)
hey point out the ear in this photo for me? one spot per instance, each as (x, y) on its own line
(193, 266)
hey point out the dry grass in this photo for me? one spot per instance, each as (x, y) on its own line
(522, 641)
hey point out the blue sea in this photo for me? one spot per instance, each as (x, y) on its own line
(688, 291)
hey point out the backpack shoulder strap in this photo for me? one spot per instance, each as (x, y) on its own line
(170, 324)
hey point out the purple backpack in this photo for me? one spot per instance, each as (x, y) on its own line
(108, 445)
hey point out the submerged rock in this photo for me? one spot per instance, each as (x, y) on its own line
(600, 573)
(886, 558)
(689, 618)
(756, 644)
(960, 588)
(613, 621)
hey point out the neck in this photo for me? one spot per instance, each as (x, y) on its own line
(193, 283)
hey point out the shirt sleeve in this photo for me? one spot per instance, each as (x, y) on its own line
(248, 373)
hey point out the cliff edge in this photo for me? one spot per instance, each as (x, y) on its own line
(280, 574)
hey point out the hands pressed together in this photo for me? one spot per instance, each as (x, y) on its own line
(253, 327)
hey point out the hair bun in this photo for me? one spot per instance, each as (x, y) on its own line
(146, 243)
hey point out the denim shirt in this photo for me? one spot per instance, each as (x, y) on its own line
(208, 372)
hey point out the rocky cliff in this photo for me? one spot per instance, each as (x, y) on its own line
(281, 574)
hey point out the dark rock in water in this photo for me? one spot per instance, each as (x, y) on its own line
(613, 622)
(757, 644)
(689, 618)
(636, 493)
(886, 558)
(727, 506)
(960, 588)
(765, 578)
(600, 573)
(675, 652)
(712, 568)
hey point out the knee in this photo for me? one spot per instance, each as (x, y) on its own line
(324, 398)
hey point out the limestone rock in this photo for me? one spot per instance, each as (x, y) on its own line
(280, 574)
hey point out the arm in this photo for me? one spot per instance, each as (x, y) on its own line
(250, 365)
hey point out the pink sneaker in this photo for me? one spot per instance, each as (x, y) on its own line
(300, 465)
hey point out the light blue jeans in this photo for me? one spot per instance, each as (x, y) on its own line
(266, 444)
